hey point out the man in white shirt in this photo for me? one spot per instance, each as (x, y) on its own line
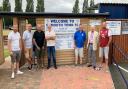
(50, 37)
(27, 41)
(14, 46)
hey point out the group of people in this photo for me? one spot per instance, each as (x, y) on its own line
(101, 39)
(30, 43)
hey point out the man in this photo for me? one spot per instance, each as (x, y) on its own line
(38, 39)
(27, 41)
(50, 37)
(79, 40)
(104, 41)
(14, 46)
(92, 47)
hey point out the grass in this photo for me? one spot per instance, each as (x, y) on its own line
(6, 53)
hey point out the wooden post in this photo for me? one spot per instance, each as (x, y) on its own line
(1, 43)
(22, 27)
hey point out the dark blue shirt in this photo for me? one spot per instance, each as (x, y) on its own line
(79, 37)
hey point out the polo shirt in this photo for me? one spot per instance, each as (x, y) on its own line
(15, 40)
(27, 37)
(39, 38)
(79, 38)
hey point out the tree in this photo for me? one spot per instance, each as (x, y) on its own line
(76, 7)
(6, 20)
(18, 6)
(6, 5)
(40, 6)
(30, 6)
(85, 6)
(1, 9)
(91, 6)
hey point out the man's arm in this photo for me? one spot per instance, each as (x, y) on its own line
(110, 39)
(36, 44)
(75, 40)
(34, 41)
(20, 41)
(9, 46)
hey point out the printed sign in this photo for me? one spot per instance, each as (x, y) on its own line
(114, 27)
(64, 29)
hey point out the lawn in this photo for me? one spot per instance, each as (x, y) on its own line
(6, 53)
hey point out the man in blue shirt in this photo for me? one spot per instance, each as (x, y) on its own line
(79, 40)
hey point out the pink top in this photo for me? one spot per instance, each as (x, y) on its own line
(91, 37)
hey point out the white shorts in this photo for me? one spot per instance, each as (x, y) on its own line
(103, 51)
(79, 52)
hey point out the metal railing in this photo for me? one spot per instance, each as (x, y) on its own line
(114, 46)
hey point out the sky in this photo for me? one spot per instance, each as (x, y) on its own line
(60, 6)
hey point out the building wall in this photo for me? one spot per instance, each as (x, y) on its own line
(68, 56)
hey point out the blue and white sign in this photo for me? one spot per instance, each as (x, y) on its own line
(65, 29)
(63, 26)
(114, 27)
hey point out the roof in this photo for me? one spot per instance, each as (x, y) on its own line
(113, 3)
(36, 14)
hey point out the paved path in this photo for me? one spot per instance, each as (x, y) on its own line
(65, 77)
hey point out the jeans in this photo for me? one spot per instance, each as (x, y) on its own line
(91, 55)
(51, 54)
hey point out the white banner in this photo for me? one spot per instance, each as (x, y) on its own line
(65, 29)
(114, 27)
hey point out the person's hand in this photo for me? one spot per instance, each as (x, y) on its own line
(74, 46)
(38, 48)
(11, 53)
(25, 50)
(43, 47)
(107, 45)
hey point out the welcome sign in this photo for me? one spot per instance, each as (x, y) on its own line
(64, 29)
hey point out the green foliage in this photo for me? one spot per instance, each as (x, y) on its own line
(1, 8)
(40, 6)
(85, 7)
(6, 5)
(30, 6)
(91, 6)
(18, 6)
(76, 7)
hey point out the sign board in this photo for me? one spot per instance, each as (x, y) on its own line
(124, 27)
(114, 27)
(64, 29)
(94, 22)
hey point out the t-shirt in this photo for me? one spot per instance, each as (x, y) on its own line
(104, 37)
(27, 37)
(15, 40)
(50, 42)
(79, 37)
(39, 38)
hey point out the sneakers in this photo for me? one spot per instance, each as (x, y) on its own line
(13, 75)
(19, 72)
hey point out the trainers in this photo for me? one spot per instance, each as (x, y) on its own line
(89, 65)
(13, 75)
(19, 72)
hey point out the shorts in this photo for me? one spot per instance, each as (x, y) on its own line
(103, 51)
(28, 53)
(79, 52)
(15, 57)
(39, 53)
